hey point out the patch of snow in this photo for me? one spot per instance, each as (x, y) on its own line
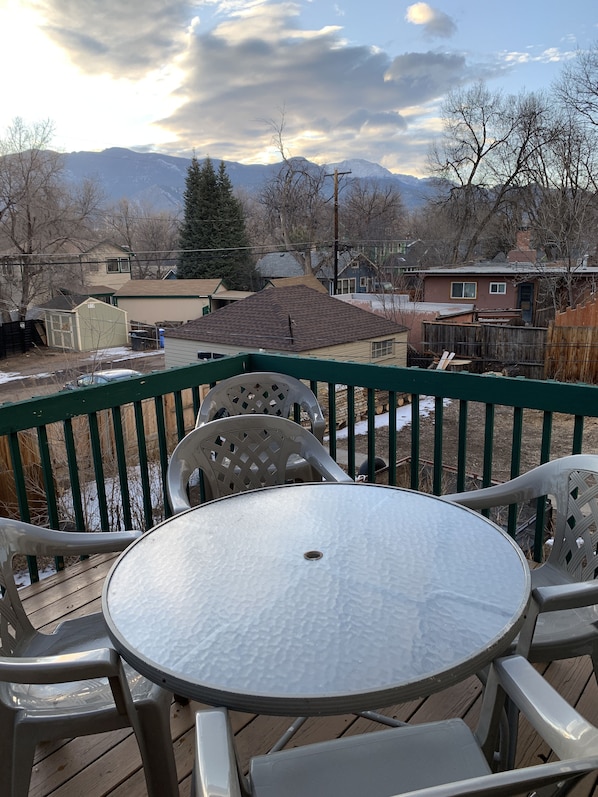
(426, 407)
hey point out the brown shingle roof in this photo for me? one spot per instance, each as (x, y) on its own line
(308, 279)
(295, 318)
(169, 288)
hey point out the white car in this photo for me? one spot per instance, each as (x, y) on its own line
(101, 378)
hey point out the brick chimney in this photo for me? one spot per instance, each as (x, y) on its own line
(523, 253)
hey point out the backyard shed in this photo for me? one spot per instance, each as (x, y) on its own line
(82, 323)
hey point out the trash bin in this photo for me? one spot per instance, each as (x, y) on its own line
(161, 337)
(137, 341)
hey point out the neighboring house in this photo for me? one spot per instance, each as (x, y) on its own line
(167, 301)
(360, 275)
(294, 320)
(282, 265)
(104, 265)
(503, 286)
(83, 323)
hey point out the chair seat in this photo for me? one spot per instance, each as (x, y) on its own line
(376, 764)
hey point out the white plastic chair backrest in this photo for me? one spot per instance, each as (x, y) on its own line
(572, 485)
(265, 393)
(244, 452)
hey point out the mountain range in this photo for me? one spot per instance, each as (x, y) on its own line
(160, 179)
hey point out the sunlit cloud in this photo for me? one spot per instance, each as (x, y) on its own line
(434, 23)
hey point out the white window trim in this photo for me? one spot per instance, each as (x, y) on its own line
(499, 288)
(463, 283)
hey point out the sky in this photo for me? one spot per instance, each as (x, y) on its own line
(341, 78)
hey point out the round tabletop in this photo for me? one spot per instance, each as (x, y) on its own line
(316, 598)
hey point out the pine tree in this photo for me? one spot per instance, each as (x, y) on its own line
(213, 239)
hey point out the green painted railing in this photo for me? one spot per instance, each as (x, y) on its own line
(97, 457)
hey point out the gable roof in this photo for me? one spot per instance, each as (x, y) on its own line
(66, 302)
(168, 288)
(307, 279)
(293, 319)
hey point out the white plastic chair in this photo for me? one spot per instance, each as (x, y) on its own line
(244, 452)
(70, 682)
(266, 393)
(439, 759)
(572, 485)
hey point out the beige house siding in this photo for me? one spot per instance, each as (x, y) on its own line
(179, 352)
(159, 309)
(95, 265)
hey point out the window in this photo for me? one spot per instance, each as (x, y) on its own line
(498, 287)
(382, 348)
(116, 265)
(464, 290)
(347, 285)
(363, 282)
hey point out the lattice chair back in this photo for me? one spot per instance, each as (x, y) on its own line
(575, 534)
(571, 483)
(263, 393)
(244, 452)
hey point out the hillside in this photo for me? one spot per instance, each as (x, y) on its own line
(160, 179)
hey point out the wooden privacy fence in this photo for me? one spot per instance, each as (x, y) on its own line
(572, 354)
(518, 349)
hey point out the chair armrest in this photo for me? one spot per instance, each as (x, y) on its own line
(81, 666)
(103, 662)
(40, 541)
(558, 723)
(324, 464)
(215, 771)
(557, 597)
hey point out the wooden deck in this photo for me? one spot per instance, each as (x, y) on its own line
(110, 763)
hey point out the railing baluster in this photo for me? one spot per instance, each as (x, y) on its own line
(143, 465)
(98, 468)
(438, 470)
(415, 440)
(462, 447)
(121, 459)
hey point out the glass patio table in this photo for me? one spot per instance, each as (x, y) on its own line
(314, 599)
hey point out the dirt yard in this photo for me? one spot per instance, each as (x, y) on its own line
(562, 439)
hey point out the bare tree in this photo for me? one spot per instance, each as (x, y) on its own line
(39, 214)
(151, 235)
(484, 153)
(372, 212)
(577, 86)
(296, 207)
(561, 202)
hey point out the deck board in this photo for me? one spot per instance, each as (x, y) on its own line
(110, 764)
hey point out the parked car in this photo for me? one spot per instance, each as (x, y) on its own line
(101, 378)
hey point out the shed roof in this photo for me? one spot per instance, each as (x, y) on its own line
(295, 318)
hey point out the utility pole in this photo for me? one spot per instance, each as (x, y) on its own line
(335, 255)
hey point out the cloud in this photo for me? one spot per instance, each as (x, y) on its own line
(236, 64)
(122, 39)
(435, 23)
(259, 61)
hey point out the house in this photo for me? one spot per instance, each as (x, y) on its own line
(167, 301)
(294, 319)
(105, 265)
(282, 265)
(83, 323)
(358, 274)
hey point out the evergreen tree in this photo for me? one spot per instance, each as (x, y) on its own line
(213, 239)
